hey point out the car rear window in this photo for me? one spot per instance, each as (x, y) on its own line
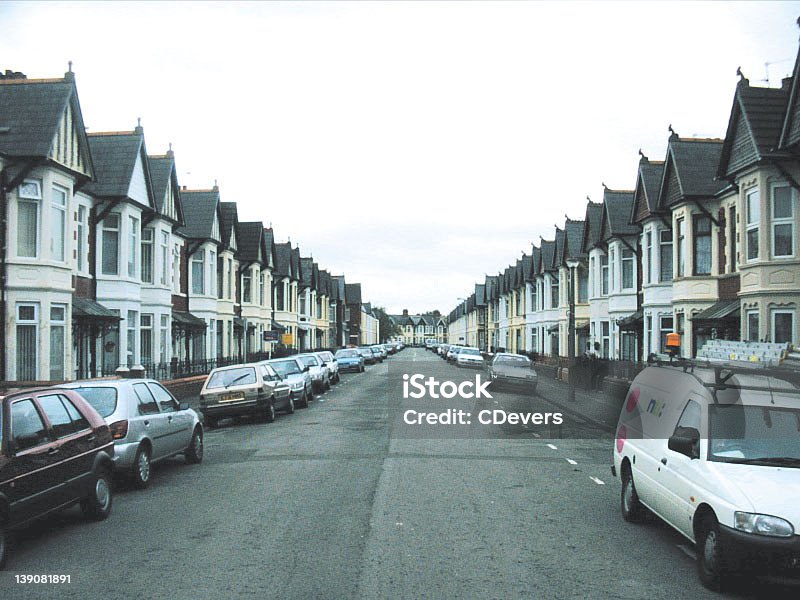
(229, 377)
(102, 399)
(347, 354)
(513, 361)
(285, 367)
(309, 361)
(472, 351)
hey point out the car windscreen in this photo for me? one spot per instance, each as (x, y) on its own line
(229, 377)
(471, 351)
(347, 354)
(102, 399)
(285, 367)
(762, 435)
(309, 361)
(513, 361)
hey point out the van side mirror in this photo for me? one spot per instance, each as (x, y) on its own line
(686, 441)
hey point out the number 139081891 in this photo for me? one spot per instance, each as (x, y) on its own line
(46, 578)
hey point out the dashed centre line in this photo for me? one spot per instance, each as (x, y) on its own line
(596, 480)
(572, 462)
(552, 447)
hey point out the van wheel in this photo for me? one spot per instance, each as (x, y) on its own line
(632, 509)
(140, 472)
(97, 505)
(710, 556)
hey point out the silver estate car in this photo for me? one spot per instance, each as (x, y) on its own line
(296, 375)
(147, 424)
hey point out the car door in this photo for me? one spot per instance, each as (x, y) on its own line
(179, 422)
(678, 474)
(156, 425)
(75, 437)
(33, 478)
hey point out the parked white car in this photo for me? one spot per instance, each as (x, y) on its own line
(714, 450)
(470, 357)
(320, 375)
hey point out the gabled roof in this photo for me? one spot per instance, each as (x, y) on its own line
(490, 287)
(536, 261)
(162, 175)
(573, 235)
(31, 113)
(754, 126)
(527, 267)
(648, 183)
(790, 130)
(615, 222)
(295, 258)
(269, 247)
(353, 293)
(201, 208)
(283, 263)
(338, 288)
(480, 294)
(324, 283)
(558, 257)
(690, 170)
(227, 225)
(116, 156)
(306, 272)
(548, 250)
(251, 243)
(591, 225)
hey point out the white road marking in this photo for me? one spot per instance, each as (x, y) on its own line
(552, 447)
(597, 481)
(572, 462)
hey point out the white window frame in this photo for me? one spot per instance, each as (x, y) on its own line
(105, 226)
(82, 242)
(59, 323)
(665, 239)
(680, 246)
(164, 248)
(776, 221)
(748, 332)
(752, 223)
(132, 327)
(605, 283)
(37, 344)
(148, 239)
(198, 257)
(212, 273)
(134, 248)
(632, 260)
(33, 197)
(782, 311)
(649, 258)
(147, 325)
(58, 213)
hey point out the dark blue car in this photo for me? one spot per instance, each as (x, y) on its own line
(350, 359)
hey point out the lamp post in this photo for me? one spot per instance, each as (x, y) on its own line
(572, 266)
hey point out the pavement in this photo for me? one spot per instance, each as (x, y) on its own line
(331, 503)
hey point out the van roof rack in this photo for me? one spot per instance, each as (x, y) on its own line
(725, 369)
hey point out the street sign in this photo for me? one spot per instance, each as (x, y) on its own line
(271, 336)
(287, 339)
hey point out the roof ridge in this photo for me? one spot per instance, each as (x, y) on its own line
(701, 140)
(43, 80)
(110, 133)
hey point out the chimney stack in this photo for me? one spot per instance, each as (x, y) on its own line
(405, 312)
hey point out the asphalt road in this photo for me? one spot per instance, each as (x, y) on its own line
(328, 503)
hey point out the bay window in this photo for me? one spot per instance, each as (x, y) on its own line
(752, 326)
(212, 280)
(111, 245)
(29, 195)
(58, 225)
(27, 341)
(147, 255)
(58, 323)
(133, 249)
(782, 326)
(164, 258)
(782, 221)
(246, 286)
(198, 272)
(627, 269)
(648, 241)
(752, 221)
(604, 275)
(146, 339)
(702, 245)
(681, 228)
(131, 342)
(665, 255)
(81, 250)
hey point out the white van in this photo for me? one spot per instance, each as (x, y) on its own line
(714, 450)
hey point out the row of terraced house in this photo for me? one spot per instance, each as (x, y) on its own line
(705, 244)
(108, 264)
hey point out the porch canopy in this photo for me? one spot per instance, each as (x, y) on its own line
(89, 312)
(725, 309)
(277, 326)
(632, 322)
(187, 321)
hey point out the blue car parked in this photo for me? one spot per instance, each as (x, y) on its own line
(350, 359)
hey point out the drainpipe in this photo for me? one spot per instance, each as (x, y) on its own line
(3, 229)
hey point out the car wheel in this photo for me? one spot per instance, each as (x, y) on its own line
(338, 378)
(710, 556)
(194, 453)
(210, 423)
(327, 385)
(269, 413)
(361, 369)
(140, 472)
(290, 407)
(97, 505)
(3, 544)
(632, 509)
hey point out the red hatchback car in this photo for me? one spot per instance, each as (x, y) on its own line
(55, 451)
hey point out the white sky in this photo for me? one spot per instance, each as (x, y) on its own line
(413, 146)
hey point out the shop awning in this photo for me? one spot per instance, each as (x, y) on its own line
(725, 309)
(84, 309)
(631, 322)
(187, 321)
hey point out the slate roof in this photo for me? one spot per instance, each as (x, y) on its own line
(558, 258)
(527, 267)
(32, 109)
(249, 238)
(536, 260)
(353, 293)
(114, 156)
(338, 287)
(295, 258)
(306, 272)
(480, 294)
(592, 222)
(574, 240)
(764, 113)
(269, 246)
(199, 206)
(617, 213)
(648, 182)
(283, 260)
(229, 218)
(324, 282)
(490, 287)
(695, 162)
(548, 249)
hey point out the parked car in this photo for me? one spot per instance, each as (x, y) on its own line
(470, 357)
(147, 423)
(443, 349)
(330, 362)
(713, 451)
(296, 376)
(369, 355)
(55, 451)
(452, 353)
(512, 370)
(320, 376)
(246, 389)
(350, 359)
(378, 349)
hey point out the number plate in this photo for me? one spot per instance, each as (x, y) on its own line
(231, 397)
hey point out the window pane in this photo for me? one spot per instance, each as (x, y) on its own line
(665, 258)
(147, 403)
(58, 233)
(197, 275)
(27, 228)
(753, 208)
(147, 255)
(78, 420)
(702, 255)
(110, 252)
(752, 326)
(783, 327)
(57, 353)
(26, 352)
(783, 239)
(27, 425)
(57, 415)
(752, 243)
(782, 203)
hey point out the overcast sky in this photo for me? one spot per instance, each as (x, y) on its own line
(415, 146)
